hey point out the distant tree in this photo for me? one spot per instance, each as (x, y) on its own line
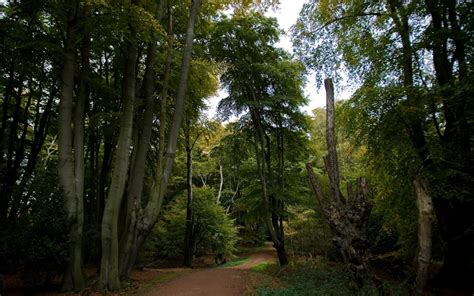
(265, 82)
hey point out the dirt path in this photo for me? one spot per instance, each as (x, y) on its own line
(229, 281)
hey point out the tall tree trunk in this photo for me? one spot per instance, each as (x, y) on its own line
(280, 206)
(40, 132)
(109, 266)
(16, 148)
(264, 170)
(6, 102)
(93, 173)
(189, 232)
(180, 97)
(70, 165)
(130, 245)
(149, 215)
(134, 193)
(4, 199)
(399, 17)
(105, 167)
(454, 213)
(347, 218)
(79, 119)
(425, 221)
(8, 156)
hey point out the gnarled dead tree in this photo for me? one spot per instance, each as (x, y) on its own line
(346, 216)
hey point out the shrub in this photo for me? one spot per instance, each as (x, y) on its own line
(308, 232)
(215, 231)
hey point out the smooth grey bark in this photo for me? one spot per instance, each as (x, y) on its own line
(136, 179)
(153, 207)
(109, 267)
(347, 217)
(133, 242)
(149, 214)
(108, 148)
(71, 147)
(181, 95)
(425, 221)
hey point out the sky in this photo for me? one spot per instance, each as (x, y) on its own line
(286, 14)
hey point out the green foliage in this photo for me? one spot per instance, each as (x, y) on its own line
(235, 263)
(371, 120)
(331, 37)
(372, 144)
(245, 45)
(38, 241)
(261, 267)
(215, 231)
(319, 277)
(307, 232)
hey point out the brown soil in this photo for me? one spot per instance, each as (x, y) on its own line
(225, 281)
(229, 281)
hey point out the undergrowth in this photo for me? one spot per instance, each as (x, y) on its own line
(319, 277)
(262, 267)
(234, 263)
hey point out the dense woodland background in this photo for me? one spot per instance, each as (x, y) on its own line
(107, 158)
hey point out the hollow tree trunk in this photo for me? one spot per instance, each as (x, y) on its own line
(347, 217)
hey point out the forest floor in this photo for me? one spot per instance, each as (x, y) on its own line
(232, 278)
(227, 280)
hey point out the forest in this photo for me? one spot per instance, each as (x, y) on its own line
(115, 178)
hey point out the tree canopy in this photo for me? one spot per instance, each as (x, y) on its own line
(108, 159)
